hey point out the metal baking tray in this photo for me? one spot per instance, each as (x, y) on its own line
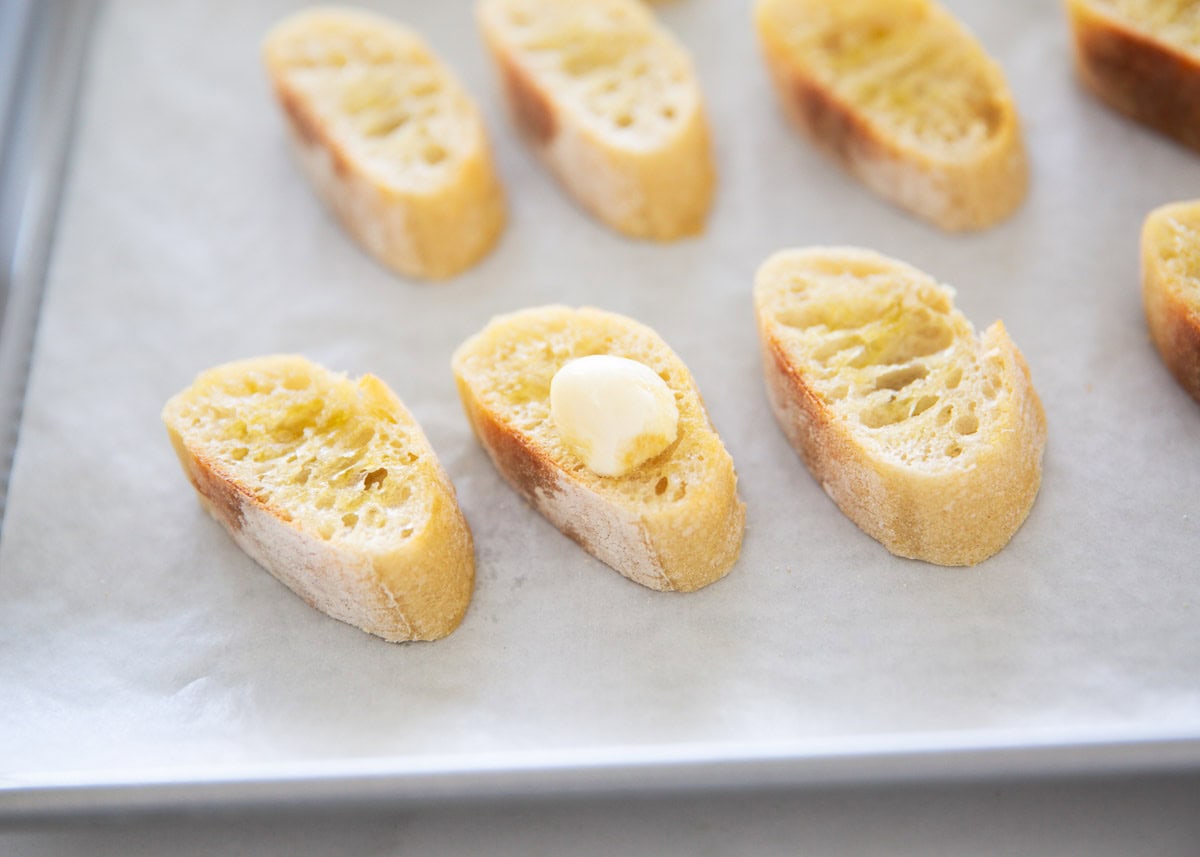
(147, 663)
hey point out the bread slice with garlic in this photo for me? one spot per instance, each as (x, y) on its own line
(905, 98)
(1171, 288)
(666, 516)
(1142, 57)
(332, 487)
(389, 139)
(608, 100)
(928, 437)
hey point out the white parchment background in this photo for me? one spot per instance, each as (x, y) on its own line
(135, 636)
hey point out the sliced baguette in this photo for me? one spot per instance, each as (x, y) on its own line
(1171, 288)
(608, 100)
(1142, 57)
(673, 523)
(905, 99)
(331, 486)
(390, 140)
(925, 435)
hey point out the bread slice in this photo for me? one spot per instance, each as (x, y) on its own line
(1142, 57)
(1171, 288)
(390, 140)
(331, 486)
(673, 523)
(608, 100)
(905, 99)
(925, 435)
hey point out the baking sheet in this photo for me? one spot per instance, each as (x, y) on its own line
(140, 646)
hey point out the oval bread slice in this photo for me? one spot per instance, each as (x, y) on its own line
(1171, 288)
(390, 140)
(925, 435)
(1142, 57)
(608, 100)
(673, 523)
(905, 99)
(331, 486)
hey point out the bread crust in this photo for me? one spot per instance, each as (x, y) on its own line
(430, 233)
(419, 589)
(678, 547)
(952, 517)
(1172, 317)
(1136, 73)
(660, 193)
(954, 193)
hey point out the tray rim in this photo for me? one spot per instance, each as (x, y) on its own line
(34, 154)
(992, 755)
(59, 38)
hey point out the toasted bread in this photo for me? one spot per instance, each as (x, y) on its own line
(905, 99)
(1171, 288)
(331, 486)
(1142, 57)
(390, 140)
(926, 436)
(608, 100)
(673, 523)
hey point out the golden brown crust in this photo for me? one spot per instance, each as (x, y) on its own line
(950, 521)
(953, 191)
(1132, 71)
(955, 516)
(1172, 317)
(532, 111)
(415, 588)
(660, 191)
(432, 232)
(831, 124)
(1175, 328)
(600, 529)
(676, 546)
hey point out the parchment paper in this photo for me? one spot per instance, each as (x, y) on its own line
(134, 635)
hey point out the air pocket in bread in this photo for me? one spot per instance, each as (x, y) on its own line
(608, 100)
(331, 486)
(927, 436)
(670, 519)
(389, 139)
(904, 98)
